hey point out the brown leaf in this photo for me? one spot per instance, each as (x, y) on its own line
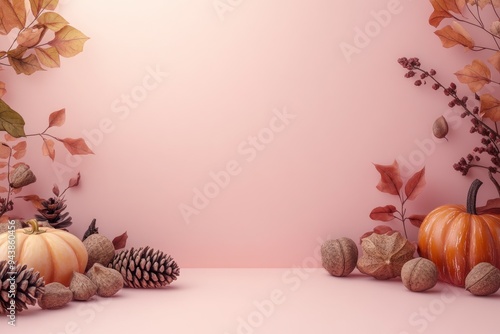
(57, 118)
(120, 241)
(38, 5)
(415, 184)
(4, 151)
(11, 121)
(48, 148)
(12, 15)
(53, 21)
(442, 9)
(451, 36)
(492, 207)
(35, 200)
(49, 57)
(19, 150)
(73, 182)
(27, 65)
(475, 75)
(383, 213)
(495, 60)
(68, 41)
(490, 107)
(76, 146)
(55, 190)
(30, 37)
(416, 220)
(3, 91)
(390, 181)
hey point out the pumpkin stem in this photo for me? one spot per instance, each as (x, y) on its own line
(33, 223)
(472, 196)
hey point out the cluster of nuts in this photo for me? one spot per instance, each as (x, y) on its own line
(98, 279)
(340, 258)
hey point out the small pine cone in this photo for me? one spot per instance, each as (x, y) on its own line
(145, 268)
(51, 212)
(28, 287)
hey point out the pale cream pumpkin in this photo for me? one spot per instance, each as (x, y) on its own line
(52, 252)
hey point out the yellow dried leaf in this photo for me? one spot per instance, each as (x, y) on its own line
(450, 37)
(38, 5)
(495, 60)
(53, 21)
(49, 57)
(475, 75)
(490, 107)
(27, 65)
(48, 148)
(12, 15)
(483, 3)
(68, 41)
(30, 37)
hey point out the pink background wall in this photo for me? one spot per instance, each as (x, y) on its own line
(220, 80)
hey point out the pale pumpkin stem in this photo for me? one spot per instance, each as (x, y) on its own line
(33, 223)
(472, 196)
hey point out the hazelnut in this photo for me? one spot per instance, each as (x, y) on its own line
(483, 279)
(339, 256)
(419, 274)
(82, 287)
(108, 280)
(100, 250)
(56, 295)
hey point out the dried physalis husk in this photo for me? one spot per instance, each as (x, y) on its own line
(384, 255)
(440, 127)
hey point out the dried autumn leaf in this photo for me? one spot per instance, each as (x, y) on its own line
(4, 151)
(490, 107)
(390, 181)
(35, 200)
(76, 146)
(11, 121)
(442, 9)
(483, 3)
(53, 21)
(3, 164)
(12, 15)
(38, 5)
(450, 37)
(3, 189)
(68, 41)
(492, 207)
(30, 37)
(495, 60)
(27, 65)
(49, 57)
(416, 220)
(55, 190)
(48, 148)
(120, 241)
(9, 137)
(19, 150)
(57, 118)
(3, 176)
(2, 89)
(475, 75)
(383, 213)
(415, 184)
(75, 181)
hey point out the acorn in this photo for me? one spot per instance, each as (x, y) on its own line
(100, 250)
(339, 256)
(108, 280)
(56, 295)
(483, 279)
(82, 287)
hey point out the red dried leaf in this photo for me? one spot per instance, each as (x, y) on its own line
(3, 189)
(48, 148)
(383, 213)
(416, 220)
(4, 151)
(74, 181)
(35, 200)
(492, 207)
(380, 229)
(19, 150)
(415, 184)
(8, 137)
(3, 164)
(390, 181)
(55, 190)
(120, 241)
(76, 146)
(3, 176)
(57, 118)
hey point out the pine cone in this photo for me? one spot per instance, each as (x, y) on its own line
(145, 268)
(29, 286)
(51, 212)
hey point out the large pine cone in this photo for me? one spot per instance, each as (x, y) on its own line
(52, 212)
(145, 268)
(29, 286)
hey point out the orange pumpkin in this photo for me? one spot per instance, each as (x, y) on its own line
(456, 238)
(52, 252)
